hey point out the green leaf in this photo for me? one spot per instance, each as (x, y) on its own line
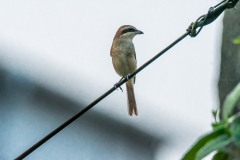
(230, 102)
(220, 124)
(192, 152)
(235, 131)
(215, 144)
(237, 40)
(221, 156)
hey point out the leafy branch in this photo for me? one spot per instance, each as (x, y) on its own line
(225, 133)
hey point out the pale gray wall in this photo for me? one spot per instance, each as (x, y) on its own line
(28, 112)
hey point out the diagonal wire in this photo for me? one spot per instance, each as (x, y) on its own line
(65, 124)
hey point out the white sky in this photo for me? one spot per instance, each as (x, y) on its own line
(65, 45)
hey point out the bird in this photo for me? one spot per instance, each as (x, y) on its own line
(125, 62)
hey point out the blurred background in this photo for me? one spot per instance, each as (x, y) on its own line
(55, 60)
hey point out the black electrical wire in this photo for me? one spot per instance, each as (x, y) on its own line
(65, 124)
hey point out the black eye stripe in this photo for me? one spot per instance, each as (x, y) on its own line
(128, 30)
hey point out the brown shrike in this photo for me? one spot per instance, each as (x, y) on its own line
(124, 60)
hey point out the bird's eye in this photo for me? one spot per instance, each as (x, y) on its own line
(127, 30)
(130, 29)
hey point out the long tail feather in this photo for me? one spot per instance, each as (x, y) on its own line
(132, 106)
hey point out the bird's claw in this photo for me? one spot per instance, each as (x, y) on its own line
(121, 88)
(115, 86)
(128, 76)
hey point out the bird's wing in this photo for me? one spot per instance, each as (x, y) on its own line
(131, 51)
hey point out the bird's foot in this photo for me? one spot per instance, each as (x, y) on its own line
(128, 76)
(121, 79)
(115, 86)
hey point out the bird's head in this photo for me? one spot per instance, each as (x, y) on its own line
(127, 32)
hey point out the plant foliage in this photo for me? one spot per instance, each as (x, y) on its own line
(225, 132)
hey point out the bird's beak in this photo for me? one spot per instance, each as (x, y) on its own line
(139, 32)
